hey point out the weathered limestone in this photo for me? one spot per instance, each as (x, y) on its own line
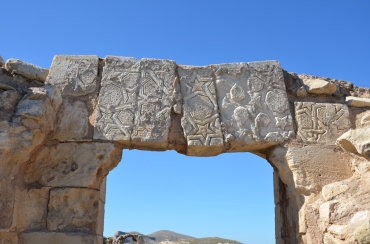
(8, 238)
(30, 71)
(362, 233)
(59, 141)
(319, 86)
(135, 102)
(325, 210)
(75, 75)
(73, 209)
(358, 102)
(328, 239)
(308, 168)
(356, 141)
(338, 231)
(321, 122)
(73, 124)
(30, 209)
(332, 190)
(1, 61)
(73, 164)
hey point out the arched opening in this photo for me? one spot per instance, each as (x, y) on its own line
(228, 196)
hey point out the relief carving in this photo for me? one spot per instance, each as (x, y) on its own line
(135, 101)
(75, 75)
(200, 121)
(253, 104)
(321, 122)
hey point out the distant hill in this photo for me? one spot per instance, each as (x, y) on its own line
(170, 236)
(166, 235)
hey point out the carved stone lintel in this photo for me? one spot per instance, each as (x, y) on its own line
(253, 104)
(201, 122)
(135, 102)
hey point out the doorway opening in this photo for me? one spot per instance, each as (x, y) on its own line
(228, 196)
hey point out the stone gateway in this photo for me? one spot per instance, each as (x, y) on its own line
(62, 130)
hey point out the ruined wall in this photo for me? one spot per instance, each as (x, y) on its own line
(62, 130)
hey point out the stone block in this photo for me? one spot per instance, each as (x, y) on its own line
(30, 209)
(310, 167)
(8, 238)
(253, 105)
(358, 102)
(74, 75)
(356, 141)
(319, 86)
(135, 102)
(200, 121)
(321, 122)
(73, 120)
(332, 190)
(1, 61)
(58, 238)
(27, 70)
(73, 209)
(73, 164)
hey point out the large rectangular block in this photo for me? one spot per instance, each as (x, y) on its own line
(74, 75)
(73, 164)
(200, 121)
(252, 105)
(321, 122)
(135, 102)
(315, 166)
(30, 209)
(74, 209)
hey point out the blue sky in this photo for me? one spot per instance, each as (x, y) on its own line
(230, 195)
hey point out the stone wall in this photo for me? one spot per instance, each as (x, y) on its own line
(62, 130)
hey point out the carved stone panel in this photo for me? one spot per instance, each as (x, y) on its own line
(201, 122)
(135, 102)
(253, 105)
(321, 122)
(75, 75)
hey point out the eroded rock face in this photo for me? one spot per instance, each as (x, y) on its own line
(59, 141)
